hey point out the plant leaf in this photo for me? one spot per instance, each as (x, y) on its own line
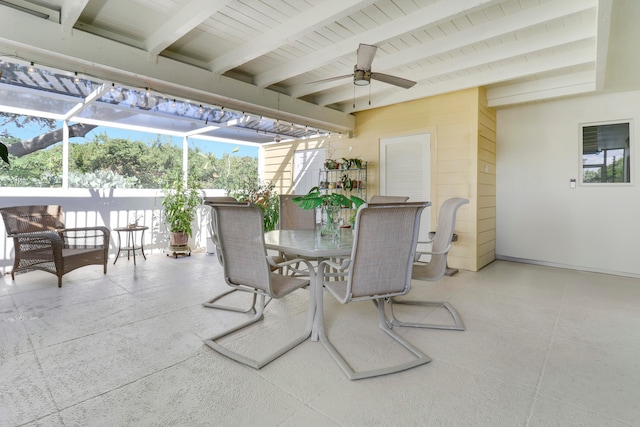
(4, 153)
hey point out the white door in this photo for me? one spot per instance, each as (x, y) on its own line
(306, 169)
(405, 171)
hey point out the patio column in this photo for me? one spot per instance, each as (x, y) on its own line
(185, 158)
(65, 154)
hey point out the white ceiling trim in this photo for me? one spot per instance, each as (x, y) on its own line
(552, 87)
(604, 28)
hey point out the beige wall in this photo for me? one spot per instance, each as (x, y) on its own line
(463, 138)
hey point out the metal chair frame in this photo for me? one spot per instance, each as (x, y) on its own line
(379, 268)
(434, 270)
(248, 268)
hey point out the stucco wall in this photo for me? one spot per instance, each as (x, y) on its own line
(540, 218)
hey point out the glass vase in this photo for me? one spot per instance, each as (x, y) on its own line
(329, 224)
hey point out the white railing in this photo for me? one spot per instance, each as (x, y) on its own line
(109, 207)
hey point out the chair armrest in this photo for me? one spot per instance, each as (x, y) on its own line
(340, 266)
(425, 242)
(337, 270)
(287, 263)
(38, 241)
(101, 228)
(442, 252)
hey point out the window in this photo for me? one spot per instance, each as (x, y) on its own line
(606, 154)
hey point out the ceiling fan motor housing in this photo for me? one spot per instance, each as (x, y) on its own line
(361, 77)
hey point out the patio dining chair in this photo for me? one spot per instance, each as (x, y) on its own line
(379, 268)
(377, 198)
(248, 268)
(213, 235)
(293, 217)
(434, 269)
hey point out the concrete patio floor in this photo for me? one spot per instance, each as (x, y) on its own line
(543, 347)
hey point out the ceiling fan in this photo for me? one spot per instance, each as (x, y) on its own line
(362, 73)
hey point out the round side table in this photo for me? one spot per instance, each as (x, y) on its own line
(131, 241)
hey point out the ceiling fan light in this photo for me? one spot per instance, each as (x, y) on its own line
(361, 77)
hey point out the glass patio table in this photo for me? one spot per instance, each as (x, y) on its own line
(310, 244)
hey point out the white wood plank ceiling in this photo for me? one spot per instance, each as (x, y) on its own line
(262, 56)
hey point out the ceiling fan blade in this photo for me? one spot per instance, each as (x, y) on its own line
(365, 53)
(393, 80)
(330, 79)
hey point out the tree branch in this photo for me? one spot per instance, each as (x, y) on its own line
(45, 140)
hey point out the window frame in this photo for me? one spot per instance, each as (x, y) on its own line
(631, 150)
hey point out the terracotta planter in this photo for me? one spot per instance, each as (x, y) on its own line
(179, 238)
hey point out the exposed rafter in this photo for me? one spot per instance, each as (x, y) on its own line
(492, 55)
(315, 17)
(429, 15)
(483, 33)
(70, 13)
(192, 14)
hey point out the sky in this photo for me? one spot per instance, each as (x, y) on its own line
(218, 148)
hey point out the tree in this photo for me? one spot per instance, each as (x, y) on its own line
(47, 139)
(105, 162)
(20, 148)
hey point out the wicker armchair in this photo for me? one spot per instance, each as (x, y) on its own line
(41, 241)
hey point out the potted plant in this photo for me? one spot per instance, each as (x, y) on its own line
(331, 164)
(354, 162)
(264, 195)
(347, 183)
(180, 204)
(330, 204)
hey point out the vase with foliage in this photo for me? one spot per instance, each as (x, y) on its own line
(180, 204)
(330, 205)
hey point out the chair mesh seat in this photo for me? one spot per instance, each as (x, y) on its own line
(283, 285)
